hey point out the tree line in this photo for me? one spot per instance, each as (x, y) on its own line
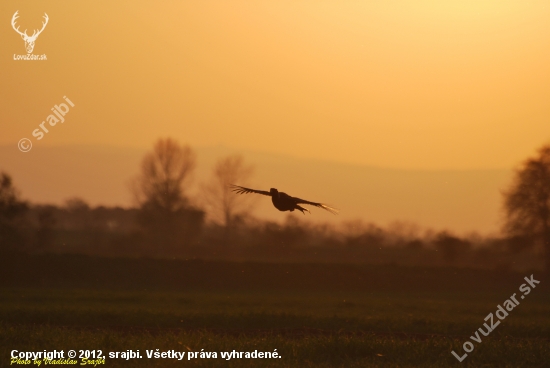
(166, 221)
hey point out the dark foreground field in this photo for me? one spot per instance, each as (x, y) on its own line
(314, 315)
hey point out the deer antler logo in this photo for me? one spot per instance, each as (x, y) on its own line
(29, 40)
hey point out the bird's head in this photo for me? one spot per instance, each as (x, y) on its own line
(274, 192)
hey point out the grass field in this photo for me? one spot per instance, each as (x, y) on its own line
(308, 329)
(315, 315)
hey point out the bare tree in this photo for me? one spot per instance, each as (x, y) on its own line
(166, 214)
(527, 202)
(164, 173)
(225, 207)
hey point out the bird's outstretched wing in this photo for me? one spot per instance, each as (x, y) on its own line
(243, 190)
(332, 210)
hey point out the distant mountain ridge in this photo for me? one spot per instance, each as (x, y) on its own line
(460, 200)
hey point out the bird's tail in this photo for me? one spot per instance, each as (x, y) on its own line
(300, 208)
(330, 209)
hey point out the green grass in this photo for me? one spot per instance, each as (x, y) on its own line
(308, 329)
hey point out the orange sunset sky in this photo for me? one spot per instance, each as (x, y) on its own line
(412, 86)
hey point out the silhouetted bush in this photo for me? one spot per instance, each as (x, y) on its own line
(12, 217)
(450, 246)
(169, 233)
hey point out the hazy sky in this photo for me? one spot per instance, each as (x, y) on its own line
(403, 84)
(436, 85)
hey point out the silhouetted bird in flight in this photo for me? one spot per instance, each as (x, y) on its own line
(284, 202)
